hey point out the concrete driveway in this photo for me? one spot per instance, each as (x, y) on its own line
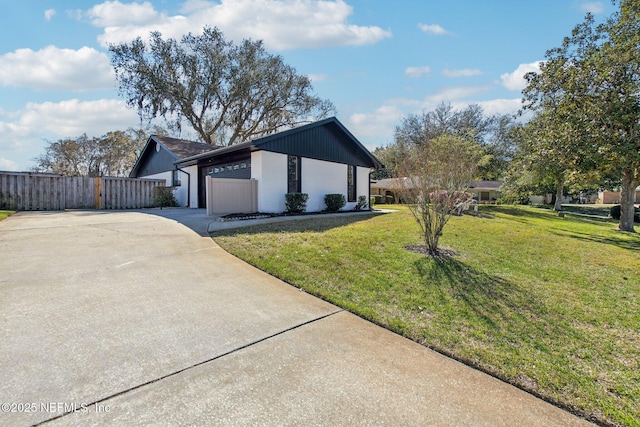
(130, 318)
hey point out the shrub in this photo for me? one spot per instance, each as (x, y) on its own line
(163, 197)
(334, 202)
(389, 200)
(372, 201)
(362, 203)
(377, 199)
(296, 202)
(614, 213)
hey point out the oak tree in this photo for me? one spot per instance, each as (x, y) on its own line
(593, 80)
(228, 93)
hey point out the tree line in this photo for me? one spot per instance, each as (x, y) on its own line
(112, 154)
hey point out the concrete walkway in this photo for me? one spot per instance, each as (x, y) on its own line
(131, 318)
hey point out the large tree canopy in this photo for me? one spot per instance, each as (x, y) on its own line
(491, 133)
(592, 83)
(228, 93)
(112, 154)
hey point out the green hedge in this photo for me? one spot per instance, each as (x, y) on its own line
(163, 197)
(334, 202)
(296, 202)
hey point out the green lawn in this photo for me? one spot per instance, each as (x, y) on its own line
(549, 304)
(4, 214)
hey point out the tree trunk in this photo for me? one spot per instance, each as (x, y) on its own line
(559, 194)
(627, 195)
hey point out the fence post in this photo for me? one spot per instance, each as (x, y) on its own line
(98, 193)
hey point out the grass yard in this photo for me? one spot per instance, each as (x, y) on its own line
(4, 214)
(546, 303)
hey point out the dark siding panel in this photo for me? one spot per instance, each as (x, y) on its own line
(156, 162)
(326, 142)
(235, 169)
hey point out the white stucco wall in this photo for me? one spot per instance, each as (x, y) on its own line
(270, 170)
(192, 188)
(318, 179)
(180, 192)
(362, 186)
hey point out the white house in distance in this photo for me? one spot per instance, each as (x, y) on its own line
(318, 158)
(483, 191)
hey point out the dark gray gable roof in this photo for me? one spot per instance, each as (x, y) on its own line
(326, 139)
(182, 148)
(174, 150)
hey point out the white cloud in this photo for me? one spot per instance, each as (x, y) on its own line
(376, 128)
(48, 14)
(317, 77)
(25, 132)
(417, 71)
(115, 14)
(52, 68)
(433, 29)
(516, 80)
(594, 7)
(467, 72)
(282, 24)
(455, 93)
(8, 165)
(377, 123)
(501, 106)
(74, 117)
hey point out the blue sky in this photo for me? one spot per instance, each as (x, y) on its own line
(376, 60)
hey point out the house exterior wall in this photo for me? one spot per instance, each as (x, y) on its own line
(362, 186)
(190, 186)
(318, 178)
(270, 170)
(484, 195)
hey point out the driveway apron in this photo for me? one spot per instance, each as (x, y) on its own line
(127, 318)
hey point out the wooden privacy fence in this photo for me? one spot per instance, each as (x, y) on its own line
(225, 195)
(26, 191)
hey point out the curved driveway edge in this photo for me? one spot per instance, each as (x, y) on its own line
(133, 319)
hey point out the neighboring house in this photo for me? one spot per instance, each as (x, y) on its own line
(386, 187)
(318, 159)
(613, 197)
(483, 191)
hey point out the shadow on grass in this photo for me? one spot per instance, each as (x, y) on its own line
(631, 241)
(300, 224)
(498, 302)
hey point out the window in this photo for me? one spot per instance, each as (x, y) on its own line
(351, 183)
(293, 174)
(175, 177)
